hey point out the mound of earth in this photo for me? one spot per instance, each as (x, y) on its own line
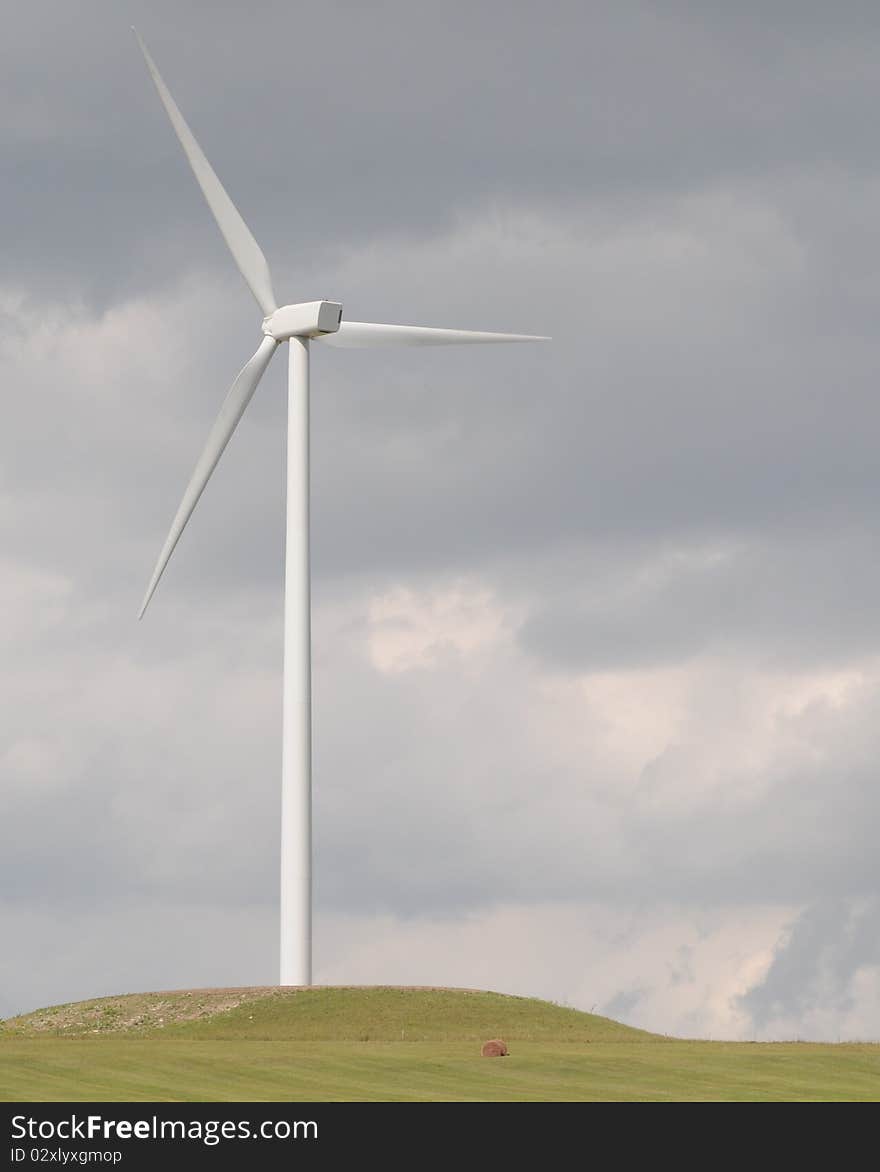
(323, 1013)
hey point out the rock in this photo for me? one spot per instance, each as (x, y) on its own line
(494, 1048)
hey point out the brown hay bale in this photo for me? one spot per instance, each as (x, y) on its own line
(494, 1048)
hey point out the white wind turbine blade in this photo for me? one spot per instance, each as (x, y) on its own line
(239, 396)
(365, 335)
(247, 253)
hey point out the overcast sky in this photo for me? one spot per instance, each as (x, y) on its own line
(596, 624)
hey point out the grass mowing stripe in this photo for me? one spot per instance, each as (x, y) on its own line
(144, 1069)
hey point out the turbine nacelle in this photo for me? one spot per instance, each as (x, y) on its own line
(308, 319)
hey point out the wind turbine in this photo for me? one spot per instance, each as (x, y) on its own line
(297, 325)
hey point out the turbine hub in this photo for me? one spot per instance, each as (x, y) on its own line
(308, 319)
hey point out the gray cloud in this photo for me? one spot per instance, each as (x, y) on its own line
(794, 602)
(617, 100)
(828, 945)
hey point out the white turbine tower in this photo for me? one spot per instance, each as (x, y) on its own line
(297, 325)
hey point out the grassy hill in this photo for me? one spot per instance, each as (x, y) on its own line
(337, 1014)
(329, 1044)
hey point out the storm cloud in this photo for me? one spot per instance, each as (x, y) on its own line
(596, 631)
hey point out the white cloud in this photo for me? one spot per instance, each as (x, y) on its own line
(411, 629)
(668, 969)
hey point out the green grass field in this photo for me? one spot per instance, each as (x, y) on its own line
(393, 1044)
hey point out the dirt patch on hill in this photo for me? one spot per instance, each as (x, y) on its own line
(133, 1012)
